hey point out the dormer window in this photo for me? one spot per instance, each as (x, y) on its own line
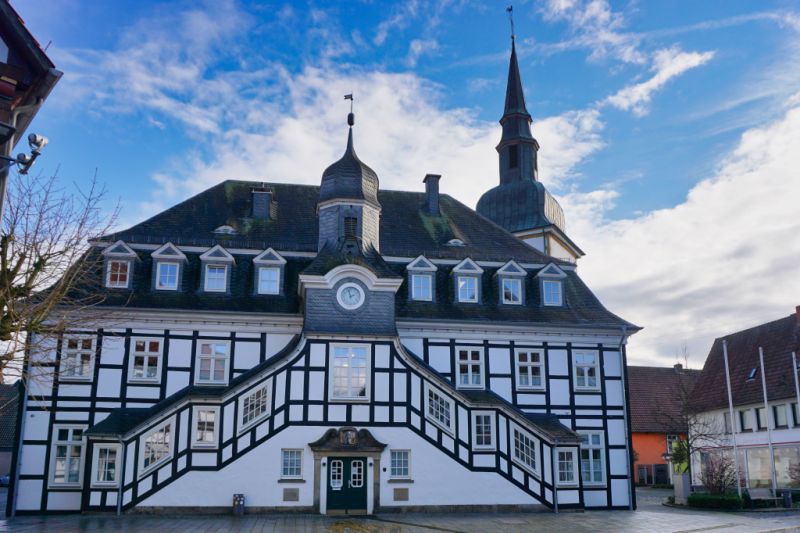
(119, 260)
(269, 267)
(552, 285)
(167, 276)
(467, 289)
(217, 263)
(169, 262)
(512, 283)
(467, 276)
(421, 279)
(216, 279)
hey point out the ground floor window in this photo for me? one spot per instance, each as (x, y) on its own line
(567, 467)
(525, 450)
(592, 460)
(291, 463)
(67, 455)
(400, 463)
(106, 464)
(156, 446)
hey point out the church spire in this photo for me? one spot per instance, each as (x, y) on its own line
(515, 98)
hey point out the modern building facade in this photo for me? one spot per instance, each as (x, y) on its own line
(332, 349)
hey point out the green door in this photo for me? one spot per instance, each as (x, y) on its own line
(347, 484)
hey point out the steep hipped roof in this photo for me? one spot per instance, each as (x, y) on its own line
(778, 338)
(515, 97)
(657, 395)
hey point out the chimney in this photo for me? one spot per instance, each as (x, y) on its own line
(431, 182)
(263, 204)
(678, 367)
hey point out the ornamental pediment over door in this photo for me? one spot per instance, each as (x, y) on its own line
(347, 439)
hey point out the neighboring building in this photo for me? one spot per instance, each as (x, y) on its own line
(754, 426)
(659, 399)
(9, 404)
(335, 349)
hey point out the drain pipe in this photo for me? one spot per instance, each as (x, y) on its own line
(553, 461)
(624, 372)
(124, 450)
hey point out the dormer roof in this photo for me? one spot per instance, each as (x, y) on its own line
(269, 257)
(421, 264)
(467, 266)
(217, 253)
(169, 251)
(119, 249)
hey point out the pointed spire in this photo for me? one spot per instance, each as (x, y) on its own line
(515, 97)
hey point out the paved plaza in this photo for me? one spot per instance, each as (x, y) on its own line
(651, 517)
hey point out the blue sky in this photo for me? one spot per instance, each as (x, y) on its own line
(666, 127)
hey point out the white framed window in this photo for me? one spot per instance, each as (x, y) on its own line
(156, 447)
(439, 409)
(216, 278)
(337, 473)
(422, 287)
(291, 464)
(400, 464)
(77, 359)
(567, 460)
(167, 275)
(551, 292)
(592, 457)
(350, 376)
(779, 416)
(525, 451)
(212, 362)
(671, 440)
(483, 430)
(745, 420)
(145, 360)
(269, 279)
(761, 418)
(469, 367)
(105, 468)
(530, 369)
(118, 274)
(254, 406)
(511, 291)
(66, 468)
(467, 289)
(206, 420)
(586, 370)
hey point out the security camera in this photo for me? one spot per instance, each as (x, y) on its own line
(37, 142)
(23, 159)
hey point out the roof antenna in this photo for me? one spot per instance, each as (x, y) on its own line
(351, 118)
(510, 10)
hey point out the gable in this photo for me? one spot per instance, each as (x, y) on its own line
(421, 263)
(217, 253)
(551, 271)
(169, 251)
(119, 249)
(467, 266)
(269, 256)
(512, 268)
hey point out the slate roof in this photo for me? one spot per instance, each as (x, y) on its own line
(349, 177)
(778, 338)
(656, 395)
(9, 402)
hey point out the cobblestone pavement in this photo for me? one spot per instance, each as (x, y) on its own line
(651, 517)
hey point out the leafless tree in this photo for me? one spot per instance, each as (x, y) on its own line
(718, 475)
(46, 270)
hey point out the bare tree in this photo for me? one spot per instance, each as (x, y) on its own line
(46, 268)
(718, 475)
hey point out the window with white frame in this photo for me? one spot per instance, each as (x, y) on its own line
(525, 451)
(350, 378)
(671, 440)
(118, 274)
(146, 358)
(212, 363)
(291, 464)
(205, 427)
(269, 280)
(567, 466)
(511, 289)
(400, 464)
(530, 370)
(67, 455)
(745, 420)
(439, 409)
(167, 276)
(469, 366)
(592, 457)
(586, 370)
(77, 359)
(779, 415)
(254, 406)
(106, 465)
(551, 292)
(422, 287)
(483, 430)
(216, 278)
(156, 446)
(467, 289)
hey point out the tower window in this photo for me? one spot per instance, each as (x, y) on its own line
(513, 156)
(350, 224)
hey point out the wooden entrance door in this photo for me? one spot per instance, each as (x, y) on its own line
(347, 484)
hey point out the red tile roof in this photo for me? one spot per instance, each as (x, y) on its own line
(656, 395)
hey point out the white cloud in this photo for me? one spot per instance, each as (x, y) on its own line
(419, 47)
(668, 63)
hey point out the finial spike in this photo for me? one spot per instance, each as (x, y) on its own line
(351, 118)
(510, 11)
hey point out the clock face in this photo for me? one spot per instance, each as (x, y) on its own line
(350, 296)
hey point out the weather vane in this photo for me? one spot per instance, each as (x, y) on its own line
(351, 118)
(510, 10)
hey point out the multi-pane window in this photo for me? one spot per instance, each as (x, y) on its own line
(399, 463)
(467, 289)
(146, 360)
(551, 292)
(216, 278)
(530, 369)
(269, 280)
(337, 473)
(76, 359)
(483, 430)
(671, 440)
(745, 422)
(586, 370)
(422, 287)
(512, 290)
(350, 227)
(212, 363)
(779, 415)
(525, 450)
(350, 372)
(167, 276)
(255, 406)
(592, 449)
(440, 409)
(470, 367)
(567, 471)
(761, 418)
(67, 455)
(292, 463)
(106, 464)
(157, 446)
(205, 426)
(118, 274)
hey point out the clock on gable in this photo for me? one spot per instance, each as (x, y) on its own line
(350, 296)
